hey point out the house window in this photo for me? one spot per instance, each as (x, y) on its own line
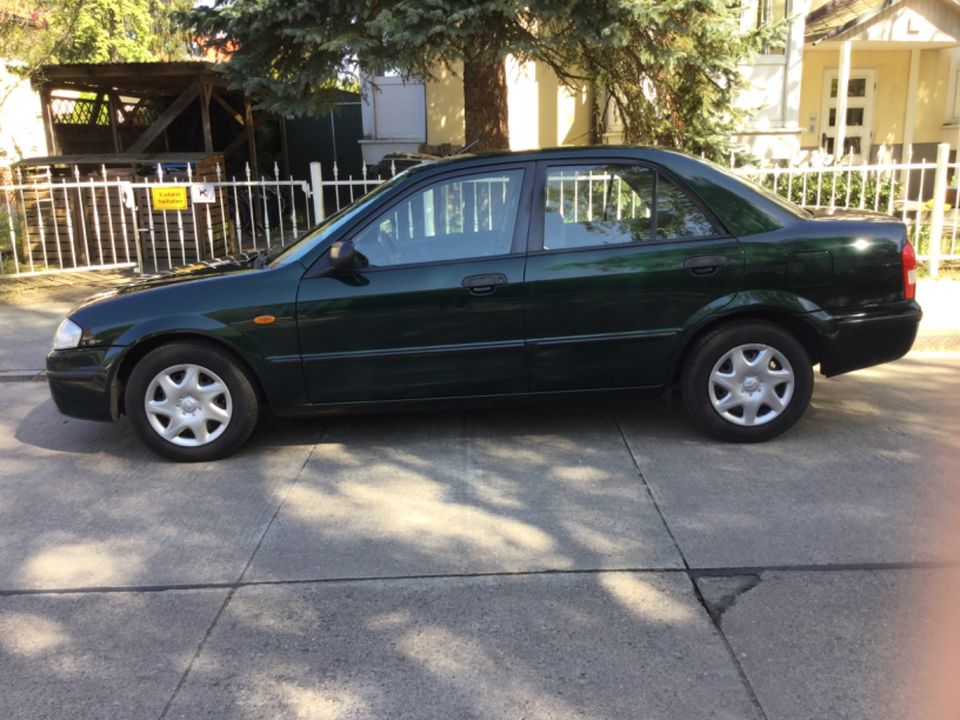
(769, 12)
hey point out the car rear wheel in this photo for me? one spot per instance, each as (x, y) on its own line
(190, 401)
(747, 381)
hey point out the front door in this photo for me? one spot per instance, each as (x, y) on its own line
(436, 311)
(858, 131)
(624, 259)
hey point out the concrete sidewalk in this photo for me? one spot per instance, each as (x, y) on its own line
(32, 307)
(567, 560)
(940, 329)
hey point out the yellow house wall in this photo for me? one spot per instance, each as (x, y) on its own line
(444, 97)
(932, 96)
(542, 111)
(892, 74)
(892, 70)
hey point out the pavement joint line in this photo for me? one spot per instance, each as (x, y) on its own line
(715, 621)
(283, 500)
(692, 573)
(203, 641)
(184, 676)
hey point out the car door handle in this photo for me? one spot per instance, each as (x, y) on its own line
(704, 264)
(484, 284)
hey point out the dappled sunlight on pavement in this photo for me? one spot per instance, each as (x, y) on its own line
(339, 568)
(435, 494)
(544, 646)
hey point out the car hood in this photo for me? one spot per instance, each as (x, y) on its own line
(187, 273)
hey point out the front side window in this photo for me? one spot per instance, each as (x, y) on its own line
(452, 219)
(617, 205)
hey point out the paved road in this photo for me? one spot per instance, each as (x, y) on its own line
(32, 307)
(562, 560)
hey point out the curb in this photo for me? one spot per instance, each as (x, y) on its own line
(23, 376)
(937, 342)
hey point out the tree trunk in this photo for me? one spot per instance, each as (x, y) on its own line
(485, 98)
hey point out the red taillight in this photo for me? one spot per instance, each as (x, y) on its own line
(908, 259)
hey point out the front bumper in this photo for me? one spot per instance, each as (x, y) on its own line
(870, 338)
(83, 384)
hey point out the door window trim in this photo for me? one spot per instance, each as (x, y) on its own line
(517, 245)
(538, 207)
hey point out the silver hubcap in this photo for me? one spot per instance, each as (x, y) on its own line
(188, 405)
(751, 385)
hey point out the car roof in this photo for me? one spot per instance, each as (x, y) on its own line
(650, 153)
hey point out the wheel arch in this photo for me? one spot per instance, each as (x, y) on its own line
(140, 349)
(800, 328)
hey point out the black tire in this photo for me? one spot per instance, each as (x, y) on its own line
(696, 385)
(241, 400)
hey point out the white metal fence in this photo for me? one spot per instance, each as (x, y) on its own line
(152, 223)
(101, 220)
(924, 195)
(334, 195)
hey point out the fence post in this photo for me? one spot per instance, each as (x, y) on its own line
(936, 216)
(316, 191)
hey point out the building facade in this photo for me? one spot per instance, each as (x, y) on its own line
(901, 59)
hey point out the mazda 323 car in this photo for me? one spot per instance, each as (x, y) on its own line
(527, 274)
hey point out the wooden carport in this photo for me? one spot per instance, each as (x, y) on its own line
(129, 109)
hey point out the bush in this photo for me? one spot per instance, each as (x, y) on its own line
(870, 192)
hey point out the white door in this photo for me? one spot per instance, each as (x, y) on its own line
(859, 121)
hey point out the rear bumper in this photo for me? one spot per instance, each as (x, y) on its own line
(868, 339)
(82, 384)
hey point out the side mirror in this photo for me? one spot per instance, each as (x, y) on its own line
(343, 255)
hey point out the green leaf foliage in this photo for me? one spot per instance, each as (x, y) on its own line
(669, 67)
(100, 31)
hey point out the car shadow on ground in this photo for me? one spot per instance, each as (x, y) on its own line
(663, 416)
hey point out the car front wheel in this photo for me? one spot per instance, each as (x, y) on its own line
(747, 381)
(190, 401)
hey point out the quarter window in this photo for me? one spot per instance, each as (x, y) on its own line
(614, 205)
(678, 217)
(466, 217)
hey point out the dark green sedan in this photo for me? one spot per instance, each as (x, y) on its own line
(580, 270)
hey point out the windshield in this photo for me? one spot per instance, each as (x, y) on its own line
(309, 240)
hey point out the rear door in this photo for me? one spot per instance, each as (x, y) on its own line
(622, 257)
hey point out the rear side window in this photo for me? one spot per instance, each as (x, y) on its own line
(593, 206)
(617, 205)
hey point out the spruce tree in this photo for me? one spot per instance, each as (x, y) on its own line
(668, 66)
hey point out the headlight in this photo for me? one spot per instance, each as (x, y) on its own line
(68, 335)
